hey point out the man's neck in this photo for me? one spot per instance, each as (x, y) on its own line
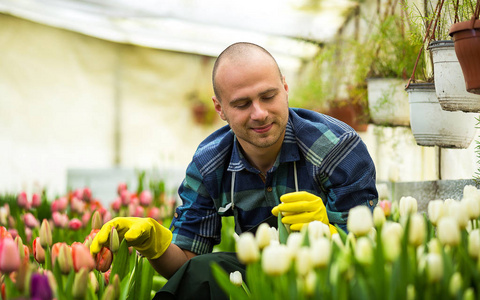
(261, 158)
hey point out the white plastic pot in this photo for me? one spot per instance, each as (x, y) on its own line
(388, 102)
(449, 81)
(433, 126)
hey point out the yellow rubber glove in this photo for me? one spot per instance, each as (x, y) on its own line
(301, 208)
(146, 235)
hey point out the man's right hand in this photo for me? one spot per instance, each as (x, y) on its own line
(146, 235)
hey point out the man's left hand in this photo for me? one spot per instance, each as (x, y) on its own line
(300, 208)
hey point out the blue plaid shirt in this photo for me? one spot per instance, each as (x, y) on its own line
(331, 161)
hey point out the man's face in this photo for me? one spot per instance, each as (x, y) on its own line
(254, 101)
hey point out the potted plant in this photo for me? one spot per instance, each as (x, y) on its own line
(389, 54)
(466, 36)
(449, 79)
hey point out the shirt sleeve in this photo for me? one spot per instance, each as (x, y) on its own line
(348, 178)
(196, 225)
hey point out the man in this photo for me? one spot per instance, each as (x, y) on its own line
(317, 164)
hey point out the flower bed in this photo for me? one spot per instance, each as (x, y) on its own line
(44, 246)
(397, 253)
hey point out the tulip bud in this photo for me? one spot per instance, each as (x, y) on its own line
(97, 221)
(45, 234)
(434, 246)
(310, 283)
(247, 249)
(114, 240)
(317, 229)
(145, 198)
(472, 207)
(474, 243)
(435, 211)
(75, 224)
(417, 230)
(448, 231)
(103, 259)
(263, 235)
(236, 278)
(391, 236)
(364, 251)
(36, 200)
(9, 256)
(40, 287)
(82, 259)
(38, 251)
(455, 285)
(80, 283)
(469, 294)
(65, 260)
(109, 293)
(360, 220)
(22, 200)
(276, 259)
(295, 241)
(386, 206)
(408, 205)
(434, 267)
(21, 252)
(93, 281)
(30, 220)
(303, 262)
(320, 250)
(378, 217)
(116, 285)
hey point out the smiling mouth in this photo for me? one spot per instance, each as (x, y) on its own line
(263, 129)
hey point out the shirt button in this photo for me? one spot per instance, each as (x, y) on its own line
(176, 215)
(370, 202)
(269, 189)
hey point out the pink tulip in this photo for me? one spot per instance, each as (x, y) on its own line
(60, 204)
(87, 194)
(22, 200)
(146, 198)
(38, 251)
(55, 251)
(28, 234)
(125, 197)
(103, 259)
(86, 218)
(59, 220)
(386, 206)
(30, 220)
(116, 204)
(75, 224)
(154, 213)
(82, 257)
(13, 232)
(121, 187)
(107, 217)
(9, 256)
(36, 200)
(63, 256)
(77, 205)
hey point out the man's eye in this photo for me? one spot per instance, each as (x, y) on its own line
(267, 97)
(242, 105)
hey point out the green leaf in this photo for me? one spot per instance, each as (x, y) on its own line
(120, 263)
(282, 230)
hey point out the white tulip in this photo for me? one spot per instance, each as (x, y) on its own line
(461, 213)
(391, 239)
(378, 216)
(434, 266)
(360, 220)
(320, 251)
(417, 230)
(434, 246)
(310, 283)
(472, 207)
(474, 243)
(276, 259)
(364, 251)
(383, 192)
(303, 261)
(263, 235)
(236, 278)
(469, 191)
(317, 229)
(456, 283)
(448, 231)
(408, 205)
(247, 249)
(435, 211)
(295, 241)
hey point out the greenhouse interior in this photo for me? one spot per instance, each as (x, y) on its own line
(116, 178)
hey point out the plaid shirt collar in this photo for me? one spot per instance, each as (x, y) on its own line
(289, 153)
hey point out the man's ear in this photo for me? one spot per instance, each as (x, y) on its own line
(285, 85)
(218, 108)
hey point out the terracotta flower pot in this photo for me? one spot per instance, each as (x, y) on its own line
(466, 36)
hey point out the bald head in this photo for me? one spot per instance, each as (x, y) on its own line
(239, 53)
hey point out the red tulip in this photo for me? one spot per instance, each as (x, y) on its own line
(75, 224)
(4, 233)
(87, 194)
(36, 200)
(103, 259)
(154, 213)
(9, 256)
(30, 220)
(82, 257)
(38, 251)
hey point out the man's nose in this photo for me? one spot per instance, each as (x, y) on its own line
(259, 111)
